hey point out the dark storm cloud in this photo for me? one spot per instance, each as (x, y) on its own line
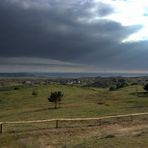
(63, 30)
(104, 9)
(127, 56)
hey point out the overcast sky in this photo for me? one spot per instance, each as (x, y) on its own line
(73, 35)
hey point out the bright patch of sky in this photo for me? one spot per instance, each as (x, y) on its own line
(128, 13)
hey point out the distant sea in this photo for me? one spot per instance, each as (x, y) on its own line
(71, 75)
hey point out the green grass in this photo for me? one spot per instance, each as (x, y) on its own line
(77, 102)
(16, 105)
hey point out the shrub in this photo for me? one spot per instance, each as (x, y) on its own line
(122, 84)
(34, 93)
(113, 87)
(146, 87)
(16, 88)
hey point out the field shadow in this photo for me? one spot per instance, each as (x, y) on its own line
(39, 110)
(140, 94)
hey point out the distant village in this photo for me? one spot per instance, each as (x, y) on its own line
(100, 82)
(29, 81)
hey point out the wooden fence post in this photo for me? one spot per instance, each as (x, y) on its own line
(57, 123)
(100, 122)
(1, 128)
(131, 117)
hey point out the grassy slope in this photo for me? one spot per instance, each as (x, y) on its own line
(77, 102)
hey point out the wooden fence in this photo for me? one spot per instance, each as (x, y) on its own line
(70, 119)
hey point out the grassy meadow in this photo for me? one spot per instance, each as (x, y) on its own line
(19, 104)
(77, 102)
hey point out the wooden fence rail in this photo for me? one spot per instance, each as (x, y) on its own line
(69, 119)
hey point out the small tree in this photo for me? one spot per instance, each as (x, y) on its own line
(146, 87)
(55, 97)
